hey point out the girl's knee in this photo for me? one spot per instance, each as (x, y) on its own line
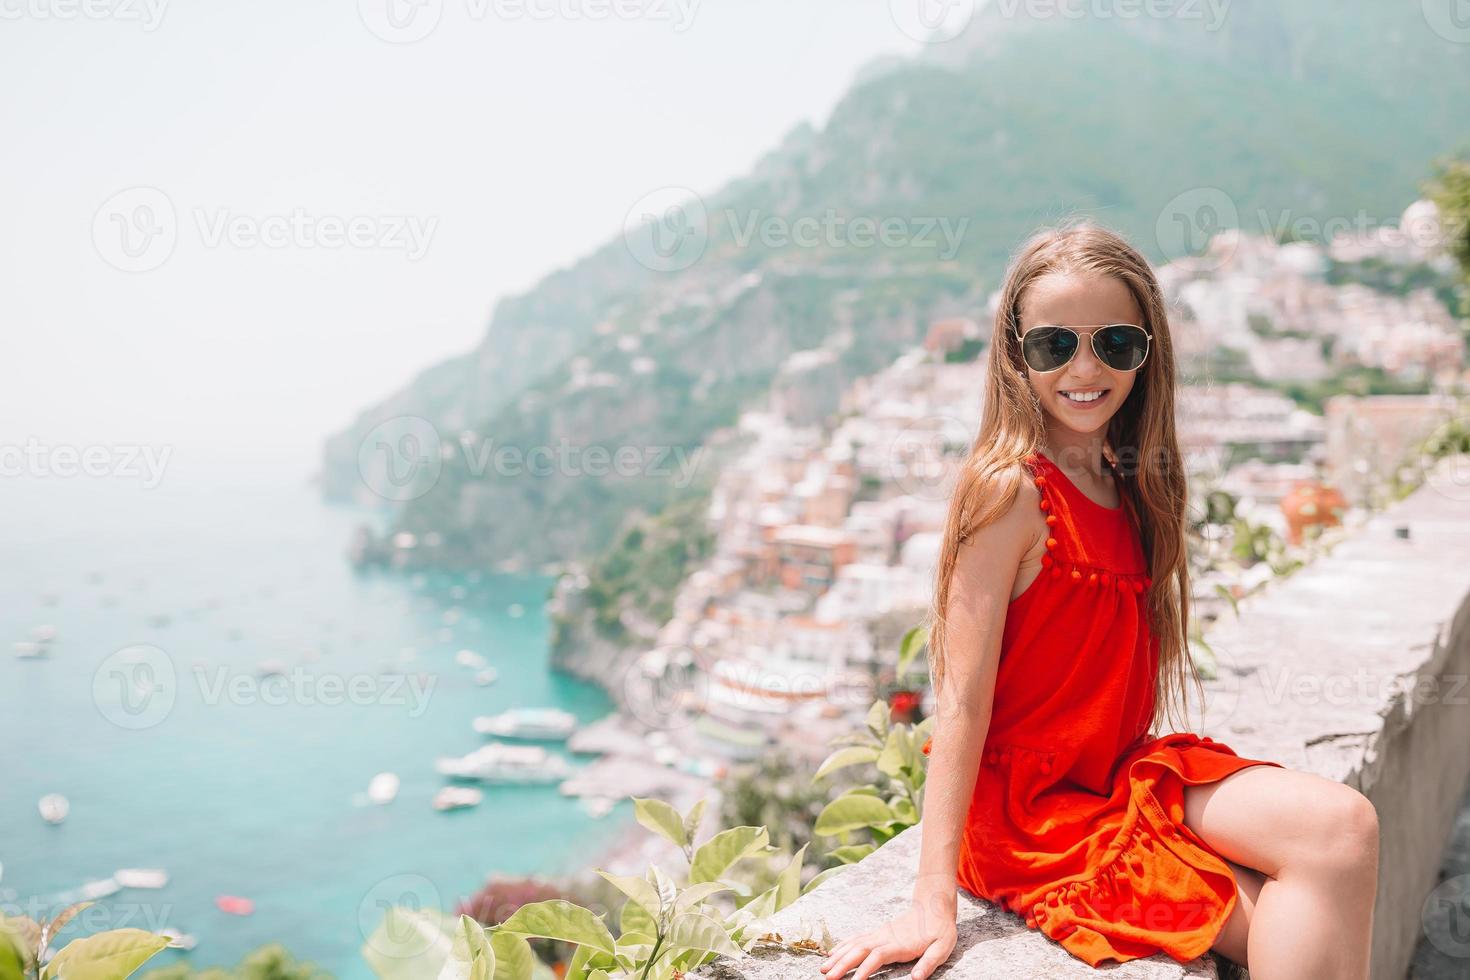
(1351, 824)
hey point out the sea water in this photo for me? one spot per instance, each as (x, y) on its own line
(150, 716)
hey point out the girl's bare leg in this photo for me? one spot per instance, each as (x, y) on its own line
(1315, 842)
(1232, 939)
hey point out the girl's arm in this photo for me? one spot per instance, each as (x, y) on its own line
(984, 575)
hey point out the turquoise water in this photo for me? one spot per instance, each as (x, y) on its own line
(204, 773)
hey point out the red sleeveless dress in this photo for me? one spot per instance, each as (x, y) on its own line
(1077, 817)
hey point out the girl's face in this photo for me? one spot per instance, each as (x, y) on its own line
(1082, 302)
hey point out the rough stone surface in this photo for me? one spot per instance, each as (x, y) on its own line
(1353, 668)
(993, 944)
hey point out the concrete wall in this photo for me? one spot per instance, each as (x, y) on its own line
(1353, 668)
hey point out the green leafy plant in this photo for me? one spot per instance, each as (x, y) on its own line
(894, 800)
(111, 955)
(664, 928)
(269, 962)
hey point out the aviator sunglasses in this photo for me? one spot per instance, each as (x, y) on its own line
(1120, 346)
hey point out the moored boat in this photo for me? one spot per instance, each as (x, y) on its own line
(502, 763)
(457, 797)
(528, 723)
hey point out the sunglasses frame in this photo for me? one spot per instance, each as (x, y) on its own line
(1091, 339)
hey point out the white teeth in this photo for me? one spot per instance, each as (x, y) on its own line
(1090, 396)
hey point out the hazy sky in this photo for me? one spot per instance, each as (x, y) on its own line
(508, 141)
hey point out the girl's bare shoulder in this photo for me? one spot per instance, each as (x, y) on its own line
(1011, 500)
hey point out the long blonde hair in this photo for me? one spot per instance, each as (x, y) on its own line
(1140, 436)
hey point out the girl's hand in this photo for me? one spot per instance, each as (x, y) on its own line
(916, 934)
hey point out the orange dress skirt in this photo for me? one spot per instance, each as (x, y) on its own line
(1077, 817)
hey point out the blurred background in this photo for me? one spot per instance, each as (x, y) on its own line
(427, 424)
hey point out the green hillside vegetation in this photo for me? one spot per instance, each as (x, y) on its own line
(1296, 112)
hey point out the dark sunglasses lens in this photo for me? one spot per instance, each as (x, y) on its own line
(1048, 348)
(1122, 346)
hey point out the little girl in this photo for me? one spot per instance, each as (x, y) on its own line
(1059, 627)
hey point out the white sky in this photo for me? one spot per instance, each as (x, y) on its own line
(527, 140)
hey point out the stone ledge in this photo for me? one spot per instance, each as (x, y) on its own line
(993, 944)
(1352, 668)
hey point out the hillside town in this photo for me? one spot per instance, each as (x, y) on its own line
(828, 534)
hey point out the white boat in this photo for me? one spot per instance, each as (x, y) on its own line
(383, 788)
(502, 763)
(469, 658)
(28, 650)
(456, 797)
(269, 668)
(177, 939)
(487, 677)
(140, 877)
(54, 807)
(101, 888)
(43, 634)
(537, 723)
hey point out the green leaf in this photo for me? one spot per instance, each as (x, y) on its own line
(878, 719)
(110, 955)
(50, 930)
(635, 918)
(631, 954)
(788, 882)
(638, 891)
(25, 934)
(855, 755)
(661, 818)
(822, 876)
(668, 891)
(852, 811)
(470, 956)
(692, 820)
(718, 854)
(913, 641)
(853, 853)
(409, 944)
(757, 908)
(556, 918)
(695, 930)
(514, 959)
(893, 757)
(633, 938)
(13, 953)
(582, 960)
(694, 894)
